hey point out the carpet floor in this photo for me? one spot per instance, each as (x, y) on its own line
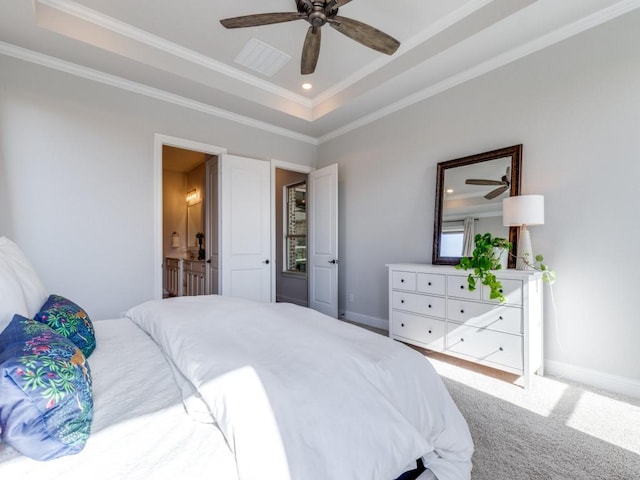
(558, 430)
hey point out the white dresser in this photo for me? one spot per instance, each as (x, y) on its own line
(431, 306)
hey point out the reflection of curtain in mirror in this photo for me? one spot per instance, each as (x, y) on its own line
(467, 240)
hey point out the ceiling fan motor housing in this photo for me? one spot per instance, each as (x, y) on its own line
(318, 13)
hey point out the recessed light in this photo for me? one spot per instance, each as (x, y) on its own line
(449, 190)
(307, 86)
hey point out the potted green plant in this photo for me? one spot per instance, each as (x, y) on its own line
(485, 259)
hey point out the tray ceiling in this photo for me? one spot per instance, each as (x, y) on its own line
(179, 52)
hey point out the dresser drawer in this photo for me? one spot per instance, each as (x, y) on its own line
(511, 289)
(485, 346)
(403, 280)
(424, 304)
(458, 286)
(431, 283)
(423, 331)
(485, 315)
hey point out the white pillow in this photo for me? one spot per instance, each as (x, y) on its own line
(11, 296)
(32, 288)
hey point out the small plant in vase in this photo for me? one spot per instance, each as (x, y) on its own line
(485, 259)
(200, 238)
(548, 275)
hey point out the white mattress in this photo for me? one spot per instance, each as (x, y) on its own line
(140, 429)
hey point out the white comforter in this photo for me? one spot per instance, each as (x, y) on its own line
(140, 430)
(301, 396)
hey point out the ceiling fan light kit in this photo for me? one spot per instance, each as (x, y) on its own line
(318, 14)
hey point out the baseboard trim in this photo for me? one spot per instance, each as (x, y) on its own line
(366, 320)
(594, 378)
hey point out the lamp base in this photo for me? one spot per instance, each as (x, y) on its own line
(525, 253)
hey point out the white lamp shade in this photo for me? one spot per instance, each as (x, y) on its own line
(523, 210)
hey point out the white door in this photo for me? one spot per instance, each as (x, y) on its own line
(323, 240)
(211, 226)
(245, 228)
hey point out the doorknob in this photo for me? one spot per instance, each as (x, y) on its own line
(266, 261)
(334, 261)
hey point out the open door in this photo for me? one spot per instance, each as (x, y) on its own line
(212, 216)
(323, 240)
(245, 228)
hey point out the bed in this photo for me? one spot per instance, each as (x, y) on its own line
(227, 389)
(139, 429)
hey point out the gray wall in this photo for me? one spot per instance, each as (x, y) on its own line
(576, 109)
(77, 178)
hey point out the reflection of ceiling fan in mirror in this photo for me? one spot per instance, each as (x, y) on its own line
(503, 183)
(317, 13)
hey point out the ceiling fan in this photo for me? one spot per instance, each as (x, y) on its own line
(318, 13)
(503, 183)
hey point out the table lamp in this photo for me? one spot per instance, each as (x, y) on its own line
(520, 211)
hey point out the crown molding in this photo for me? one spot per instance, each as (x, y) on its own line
(130, 86)
(510, 56)
(590, 21)
(121, 28)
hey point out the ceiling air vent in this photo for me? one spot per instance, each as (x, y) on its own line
(262, 58)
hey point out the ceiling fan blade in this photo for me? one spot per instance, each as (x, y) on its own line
(310, 51)
(495, 193)
(261, 19)
(365, 34)
(336, 4)
(478, 181)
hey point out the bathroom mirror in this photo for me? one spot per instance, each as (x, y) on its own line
(469, 193)
(194, 223)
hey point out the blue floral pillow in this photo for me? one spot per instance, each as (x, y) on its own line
(46, 402)
(70, 321)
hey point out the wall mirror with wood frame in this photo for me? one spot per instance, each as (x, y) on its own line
(469, 194)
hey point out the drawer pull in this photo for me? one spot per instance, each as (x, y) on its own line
(462, 311)
(429, 331)
(461, 287)
(402, 324)
(429, 306)
(500, 318)
(429, 283)
(402, 301)
(501, 349)
(462, 339)
(402, 280)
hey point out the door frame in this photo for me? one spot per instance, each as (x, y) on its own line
(293, 167)
(159, 141)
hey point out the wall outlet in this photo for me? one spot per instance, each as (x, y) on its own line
(351, 297)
